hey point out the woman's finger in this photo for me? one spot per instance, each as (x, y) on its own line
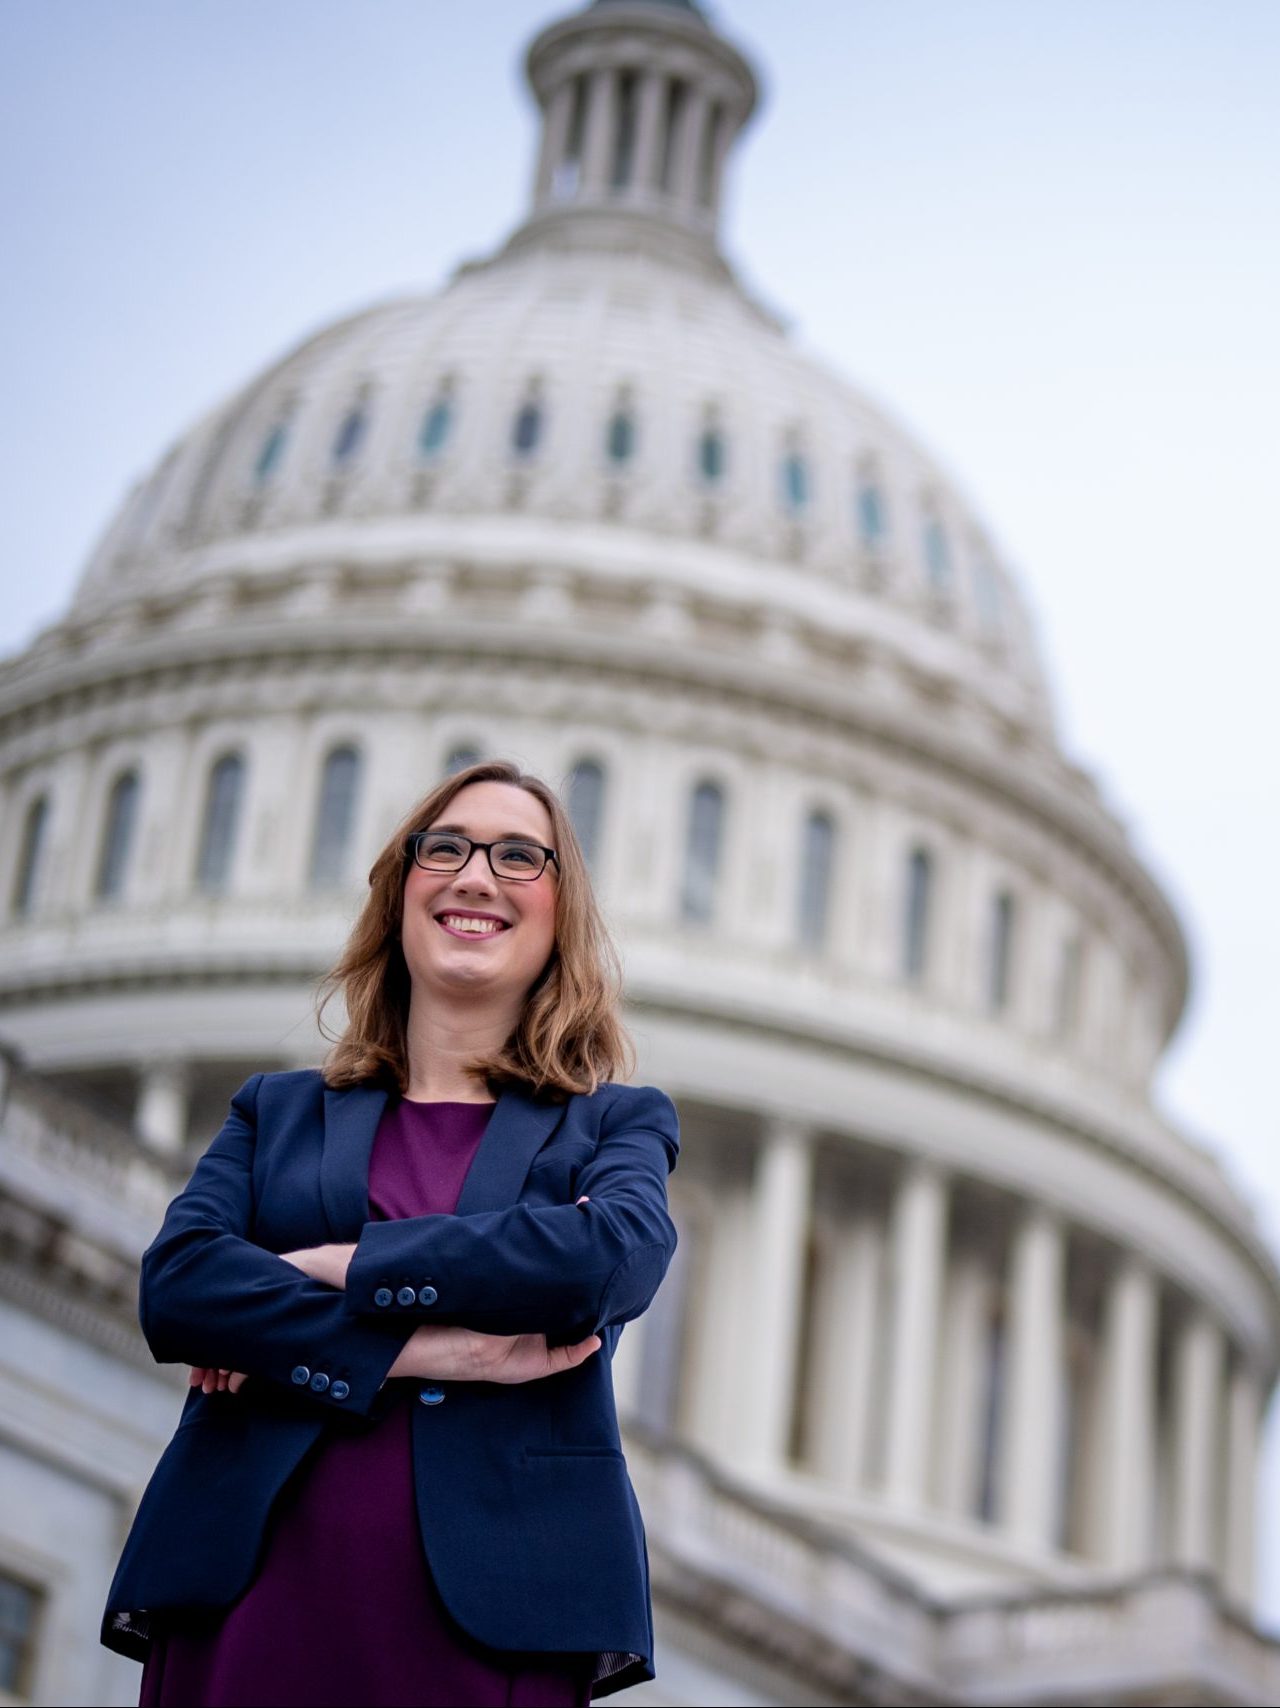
(237, 1381)
(197, 1375)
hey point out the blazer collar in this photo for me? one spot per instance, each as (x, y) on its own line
(518, 1128)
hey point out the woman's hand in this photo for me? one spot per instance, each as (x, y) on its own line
(436, 1352)
(327, 1263)
(216, 1381)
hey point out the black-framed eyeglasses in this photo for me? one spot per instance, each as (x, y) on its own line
(449, 851)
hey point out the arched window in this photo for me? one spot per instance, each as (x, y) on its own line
(937, 554)
(459, 759)
(335, 818)
(1066, 1000)
(117, 837)
(586, 806)
(437, 424)
(26, 882)
(221, 822)
(915, 936)
(347, 440)
(713, 453)
(795, 481)
(526, 429)
(1000, 951)
(986, 597)
(873, 515)
(702, 853)
(817, 861)
(271, 453)
(620, 435)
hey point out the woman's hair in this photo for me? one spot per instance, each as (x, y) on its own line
(569, 1037)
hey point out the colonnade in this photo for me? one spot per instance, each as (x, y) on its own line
(916, 1365)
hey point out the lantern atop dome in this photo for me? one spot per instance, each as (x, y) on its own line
(641, 102)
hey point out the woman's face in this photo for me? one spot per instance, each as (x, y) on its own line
(502, 962)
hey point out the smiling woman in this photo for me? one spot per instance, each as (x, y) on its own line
(462, 1206)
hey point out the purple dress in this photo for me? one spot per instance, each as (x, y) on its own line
(343, 1609)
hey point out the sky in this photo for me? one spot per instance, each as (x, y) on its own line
(1046, 237)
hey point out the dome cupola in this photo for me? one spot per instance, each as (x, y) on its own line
(641, 102)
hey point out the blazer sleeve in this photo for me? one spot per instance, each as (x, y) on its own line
(566, 1270)
(208, 1295)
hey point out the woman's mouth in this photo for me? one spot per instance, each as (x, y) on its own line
(461, 925)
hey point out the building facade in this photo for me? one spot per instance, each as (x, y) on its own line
(953, 1392)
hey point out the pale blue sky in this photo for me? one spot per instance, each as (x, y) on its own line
(1046, 235)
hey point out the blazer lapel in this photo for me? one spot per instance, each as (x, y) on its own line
(517, 1130)
(350, 1121)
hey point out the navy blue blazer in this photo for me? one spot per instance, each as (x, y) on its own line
(528, 1516)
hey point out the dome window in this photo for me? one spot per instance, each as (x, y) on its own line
(1000, 952)
(586, 807)
(35, 831)
(795, 482)
(620, 436)
(915, 934)
(526, 430)
(672, 120)
(350, 435)
(117, 839)
(335, 819)
(270, 455)
(937, 554)
(221, 824)
(437, 424)
(986, 596)
(872, 513)
(713, 454)
(459, 759)
(567, 174)
(702, 853)
(817, 863)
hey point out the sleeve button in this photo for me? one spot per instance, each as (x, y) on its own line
(301, 1375)
(319, 1382)
(431, 1396)
(339, 1391)
(383, 1296)
(406, 1296)
(427, 1295)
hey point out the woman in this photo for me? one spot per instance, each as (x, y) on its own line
(397, 1477)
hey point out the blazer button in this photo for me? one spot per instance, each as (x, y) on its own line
(431, 1396)
(339, 1391)
(406, 1296)
(301, 1375)
(383, 1296)
(319, 1382)
(427, 1295)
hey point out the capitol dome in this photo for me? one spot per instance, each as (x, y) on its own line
(958, 1320)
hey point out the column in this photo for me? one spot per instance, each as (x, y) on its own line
(1244, 1424)
(1030, 1468)
(845, 1348)
(725, 131)
(598, 142)
(1124, 1477)
(1197, 1402)
(917, 1250)
(961, 1391)
(161, 1112)
(555, 135)
(782, 1190)
(644, 179)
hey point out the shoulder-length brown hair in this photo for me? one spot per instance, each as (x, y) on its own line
(569, 1037)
